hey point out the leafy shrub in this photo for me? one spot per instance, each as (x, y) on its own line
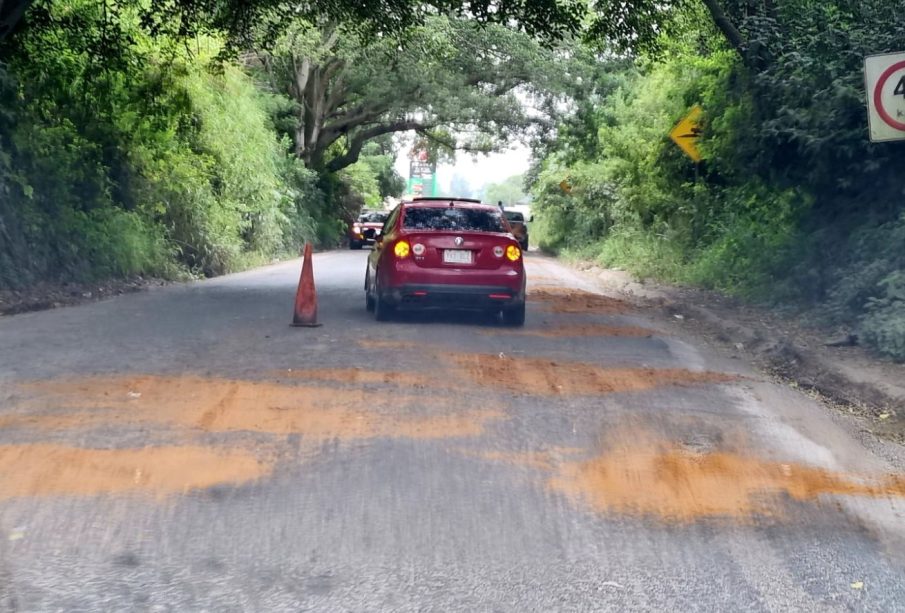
(147, 160)
(884, 324)
(792, 204)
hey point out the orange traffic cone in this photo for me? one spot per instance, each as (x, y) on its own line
(305, 314)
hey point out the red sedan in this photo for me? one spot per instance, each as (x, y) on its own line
(449, 254)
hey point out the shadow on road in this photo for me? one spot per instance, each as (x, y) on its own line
(440, 316)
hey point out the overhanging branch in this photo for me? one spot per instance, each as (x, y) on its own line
(358, 141)
(725, 26)
(451, 144)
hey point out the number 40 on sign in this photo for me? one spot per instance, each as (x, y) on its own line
(884, 78)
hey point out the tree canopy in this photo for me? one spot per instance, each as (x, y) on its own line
(458, 84)
(510, 191)
(242, 20)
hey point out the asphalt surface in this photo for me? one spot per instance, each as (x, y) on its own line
(418, 482)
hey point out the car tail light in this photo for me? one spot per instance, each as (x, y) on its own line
(513, 253)
(498, 251)
(356, 229)
(402, 249)
(418, 249)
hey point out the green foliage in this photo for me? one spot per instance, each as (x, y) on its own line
(884, 324)
(792, 205)
(457, 84)
(362, 183)
(509, 192)
(380, 160)
(241, 19)
(149, 162)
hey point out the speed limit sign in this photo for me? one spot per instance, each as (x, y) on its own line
(884, 76)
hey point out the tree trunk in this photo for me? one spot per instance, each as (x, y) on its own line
(300, 84)
(11, 12)
(725, 26)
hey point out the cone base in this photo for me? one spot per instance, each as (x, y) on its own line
(301, 325)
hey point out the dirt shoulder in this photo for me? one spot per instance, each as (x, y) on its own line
(825, 362)
(55, 295)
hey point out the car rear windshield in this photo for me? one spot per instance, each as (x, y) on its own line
(372, 217)
(513, 216)
(453, 218)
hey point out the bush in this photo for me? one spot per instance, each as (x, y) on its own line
(148, 160)
(884, 324)
(792, 204)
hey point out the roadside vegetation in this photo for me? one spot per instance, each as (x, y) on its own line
(792, 204)
(194, 138)
(125, 154)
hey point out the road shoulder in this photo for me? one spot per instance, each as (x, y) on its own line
(819, 362)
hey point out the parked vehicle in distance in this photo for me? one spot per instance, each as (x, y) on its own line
(366, 228)
(446, 253)
(519, 227)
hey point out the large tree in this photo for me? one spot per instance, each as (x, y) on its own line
(454, 82)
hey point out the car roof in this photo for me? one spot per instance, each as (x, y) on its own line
(445, 202)
(444, 199)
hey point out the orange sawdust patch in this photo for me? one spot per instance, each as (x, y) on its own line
(47, 469)
(547, 377)
(226, 405)
(574, 331)
(468, 423)
(388, 345)
(535, 460)
(355, 376)
(567, 300)
(665, 481)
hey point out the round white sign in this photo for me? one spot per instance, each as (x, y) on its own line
(885, 80)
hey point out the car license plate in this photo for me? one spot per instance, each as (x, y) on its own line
(457, 256)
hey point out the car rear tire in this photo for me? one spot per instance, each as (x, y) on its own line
(369, 299)
(524, 246)
(382, 309)
(515, 317)
(354, 245)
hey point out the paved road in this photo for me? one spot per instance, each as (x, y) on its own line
(184, 449)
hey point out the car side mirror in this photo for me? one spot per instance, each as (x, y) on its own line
(531, 218)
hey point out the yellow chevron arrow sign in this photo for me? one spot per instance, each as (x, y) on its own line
(687, 132)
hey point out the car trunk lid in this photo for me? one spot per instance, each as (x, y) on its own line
(464, 250)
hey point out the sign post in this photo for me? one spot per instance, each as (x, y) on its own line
(884, 79)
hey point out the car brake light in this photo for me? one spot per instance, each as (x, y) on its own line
(513, 253)
(356, 229)
(418, 249)
(401, 249)
(498, 251)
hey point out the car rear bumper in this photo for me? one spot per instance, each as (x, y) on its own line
(368, 236)
(478, 297)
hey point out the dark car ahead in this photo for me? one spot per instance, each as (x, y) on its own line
(366, 229)
(448, 254)
(519, 227)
